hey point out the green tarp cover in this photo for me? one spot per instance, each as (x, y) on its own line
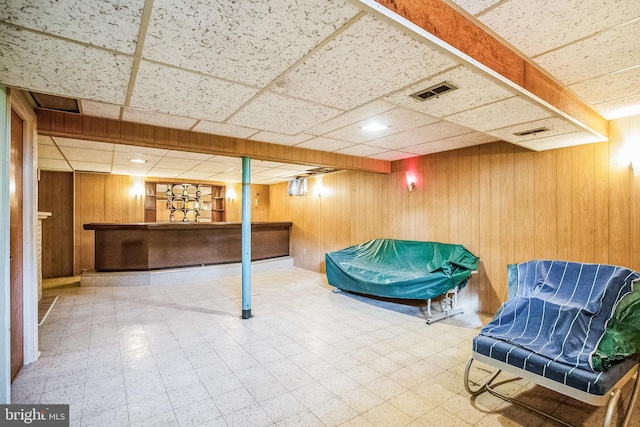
(404, 269)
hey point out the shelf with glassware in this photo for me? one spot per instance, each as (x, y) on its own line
(186, 202)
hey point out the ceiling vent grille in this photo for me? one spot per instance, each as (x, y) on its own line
(531, 132)
(434, 91)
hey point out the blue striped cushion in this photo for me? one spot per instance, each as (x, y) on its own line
(596, 383)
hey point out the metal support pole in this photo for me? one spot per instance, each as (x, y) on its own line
(246, 238)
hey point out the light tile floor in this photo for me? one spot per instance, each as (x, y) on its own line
(180, 355)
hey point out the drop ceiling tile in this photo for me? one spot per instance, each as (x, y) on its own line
(76, 20)
(422, 134)
(392, 156)
(297, 168)
(473, 90)
(500, 114)
(130, 170)
(123, 159)
(556, 126)
(460, 141)
(49, 152)
(90, 166)
(474, 7)
(87, 155)
(361, 150)
(618, 108)
(188, 155)
(133, 149)
(398, 120)
(267, 164)
(177, 163)
(45, 64)
(164, 172)
(100, 109)
(181, 93)
(232, 176)
(80, 143)
(609, 87)
(157, 119)
(45, 140)
(352, 116)
(325, 144)
(212, 167)
(271, 173)
(192, 174)
(281, 114)
(606, 52)
(369, 59)
(249, 42)
(561, 141)
(278, 138)
(542, 25)
(54, 165)
(224, 129)
(233, 161)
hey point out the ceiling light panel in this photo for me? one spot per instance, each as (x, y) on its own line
(542, 25)
(474, 90)
(368, 60)
(276, 113)
(224, 129)
(157, 119)
(180, 92)
(100, 109)
(501, 114)
(251, 42)
(352, 116)
(32, 60)
(125, 159)
(68, 19)
(606, 52)
(398, 120)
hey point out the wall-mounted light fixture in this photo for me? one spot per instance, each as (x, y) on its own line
(411, 180)
(137, 190)
(318, 189)
(231, 194)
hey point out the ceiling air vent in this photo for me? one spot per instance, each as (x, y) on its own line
(531, 132)
(434, 91)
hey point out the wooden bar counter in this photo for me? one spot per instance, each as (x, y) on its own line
(152, 246)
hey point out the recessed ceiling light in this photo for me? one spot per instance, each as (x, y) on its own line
(138, 161)
(374, 127)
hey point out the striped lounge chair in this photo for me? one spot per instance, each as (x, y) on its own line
(552, 329)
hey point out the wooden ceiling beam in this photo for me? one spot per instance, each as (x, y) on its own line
(77, 126)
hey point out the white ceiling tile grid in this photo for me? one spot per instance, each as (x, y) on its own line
(325, 144)
(249, 42)
(397, 120)
(452, 143)
(361, 150)
(224, 129)
(421, 134)
(99, 109)
(357, 114)
(81, 144)
(535, 27)
(157, 119)
(500, 114)
(281, 114)
(368, 60)
(473, 90)
(49, 65)
(112, 24)
(554, 125)
(278, 138)
(561, 141)
(188, 94)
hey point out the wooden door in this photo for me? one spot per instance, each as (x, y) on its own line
(15, 242)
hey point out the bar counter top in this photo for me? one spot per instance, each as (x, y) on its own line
(151, 245)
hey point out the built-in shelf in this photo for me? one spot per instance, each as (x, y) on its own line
(184, 202)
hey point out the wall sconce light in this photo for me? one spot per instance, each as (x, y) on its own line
(318, 190)
(411, 180)
(231, 194)
(635, 165)
(137, 191)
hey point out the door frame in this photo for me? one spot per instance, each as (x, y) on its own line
(14, 99)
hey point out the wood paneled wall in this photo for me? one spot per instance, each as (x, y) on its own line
(260, 202)
(102, 198)
(55, 195)
(504, 203)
